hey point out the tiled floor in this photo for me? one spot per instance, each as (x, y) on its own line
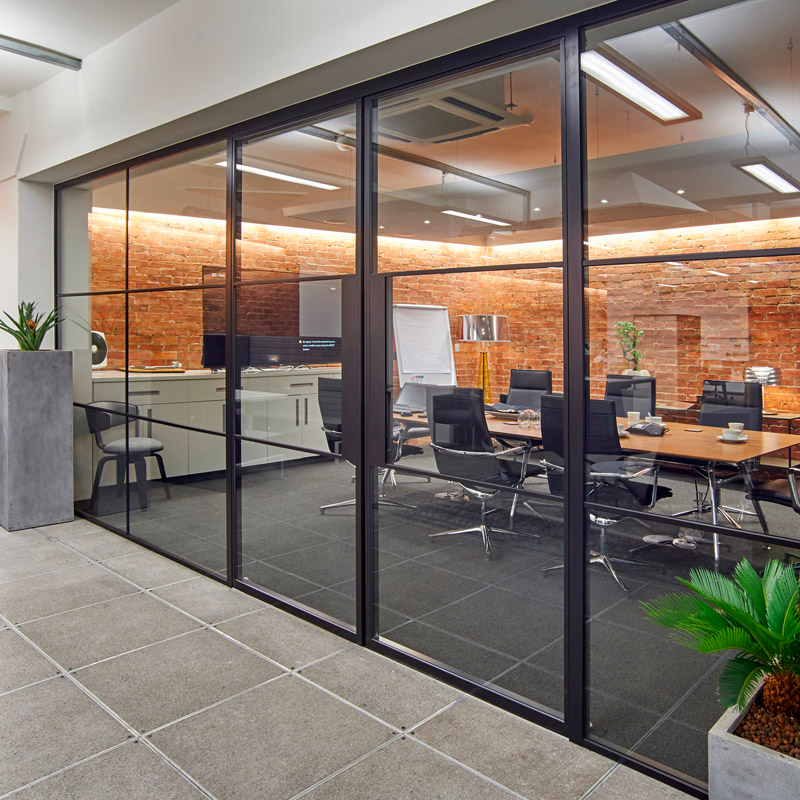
(125, 675)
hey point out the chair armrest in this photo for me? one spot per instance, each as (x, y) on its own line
(548, 465)
(477, 453)
(791, 474)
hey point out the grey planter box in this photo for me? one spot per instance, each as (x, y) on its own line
(742, 770)
(35, 438)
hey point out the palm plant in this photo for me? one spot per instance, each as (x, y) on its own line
(29, 328)
(758, 616)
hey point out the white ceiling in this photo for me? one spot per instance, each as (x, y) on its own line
(74, 27)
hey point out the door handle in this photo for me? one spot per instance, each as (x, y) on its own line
(306, 402)
(297, 412)
(223, 418)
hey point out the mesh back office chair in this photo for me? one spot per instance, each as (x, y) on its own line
(102, 416)
(527, 386)
(464, 449)
(610, 476)
(329, 393)
(782, 491)
(631, 393)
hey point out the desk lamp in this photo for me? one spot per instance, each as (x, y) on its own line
(484, 328)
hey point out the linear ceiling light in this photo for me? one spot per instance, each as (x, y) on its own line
(717, 272)
(622, 82)
(762, 169)
(280, 176)
(29, 50)
(475, 217)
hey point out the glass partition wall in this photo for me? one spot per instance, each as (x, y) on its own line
(374, 361)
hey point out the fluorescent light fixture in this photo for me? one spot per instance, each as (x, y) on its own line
(280, 176)
(762, 169)
(597, 244)
(622, 82)
(668, 285)
(537, 208)
(717, 272)
(752, 281)
(681, 191)
(475, 217)
(678, 265)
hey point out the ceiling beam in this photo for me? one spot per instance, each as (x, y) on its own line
(686, 39)
(29, 50)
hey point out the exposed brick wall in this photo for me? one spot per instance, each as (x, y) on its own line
(697, 326)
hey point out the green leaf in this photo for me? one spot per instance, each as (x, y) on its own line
(751, 583)
(738, 681)
(685, 612)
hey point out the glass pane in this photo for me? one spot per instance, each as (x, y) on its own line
(716, 340)
(91, 236)
(183, 510)
(298, 527)
(94, 329)
(469, 170)
(298, 201)
(498, 620)
(176, 220)
(289, 345)
(681, 157)
(662, 702)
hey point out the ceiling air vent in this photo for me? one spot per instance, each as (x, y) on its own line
(434, 119)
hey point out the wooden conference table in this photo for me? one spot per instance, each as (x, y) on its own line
(681, 441)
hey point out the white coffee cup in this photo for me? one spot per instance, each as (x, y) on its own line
(736, 426)
(731, 434)
(620, 427)
(657, 420)
(633, 417)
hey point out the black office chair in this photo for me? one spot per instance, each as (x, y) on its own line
(527, 386)
(329, 394)
(610, 475)
(782, 491)
(102, 416)
(724, 402)
(631, 393)
(464, 450)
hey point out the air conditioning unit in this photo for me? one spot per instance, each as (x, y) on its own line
(446, 117)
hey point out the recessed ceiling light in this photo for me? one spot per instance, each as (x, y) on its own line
(604, 200)
(622, 82)
(476, 217)
(335, 221)
(678, 265)
(381, 227)
(752, 281)
(668, 285)
(681, 191)
(427, 221)
(537, 208)
(717, 272)
(280, 176)
(404, 234)
(762, 169)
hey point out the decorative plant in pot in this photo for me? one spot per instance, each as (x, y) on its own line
(629, 337)
(35, 424)
(758, 616)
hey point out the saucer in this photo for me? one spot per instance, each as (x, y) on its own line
(732, 441)
(623, 435)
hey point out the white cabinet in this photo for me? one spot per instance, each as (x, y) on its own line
(206, 452)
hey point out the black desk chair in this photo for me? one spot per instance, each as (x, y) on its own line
(527, 386)
(464, 450)
(632, 393)
(102, 416)
(329, 394)
(610, 475)
(782, 491)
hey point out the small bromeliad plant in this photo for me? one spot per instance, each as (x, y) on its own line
(757, 616)
(29, 328)
(629, 337)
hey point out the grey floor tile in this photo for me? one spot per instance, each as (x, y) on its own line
(148, 569)
(618, 722)
(36, 741)
(325, 564)
(501, 621)
(20, 664)
(158, 684)
(39, 596)
(405, 770)
(208, 599)
(530, 760)
(86, 635)
(62, 529)
(271, 742)
(100, 545)
(267, 541)
(339, 606)
(534, 684)
(132, 771)
(392, 692)
(37, 559)
(277, 580)
(27, 536)
(283, 638)
(627, 783)
(678, 746)
(205, 554)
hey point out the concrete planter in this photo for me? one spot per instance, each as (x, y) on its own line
(742, 770)
(35, 438)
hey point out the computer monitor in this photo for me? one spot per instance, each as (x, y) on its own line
(214, 354)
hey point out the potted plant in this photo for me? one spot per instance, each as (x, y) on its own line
(754, 749)
(36, 477)
(629, 337)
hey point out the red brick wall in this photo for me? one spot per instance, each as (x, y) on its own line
(697, 326)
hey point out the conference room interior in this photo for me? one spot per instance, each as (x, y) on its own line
(468, 224)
